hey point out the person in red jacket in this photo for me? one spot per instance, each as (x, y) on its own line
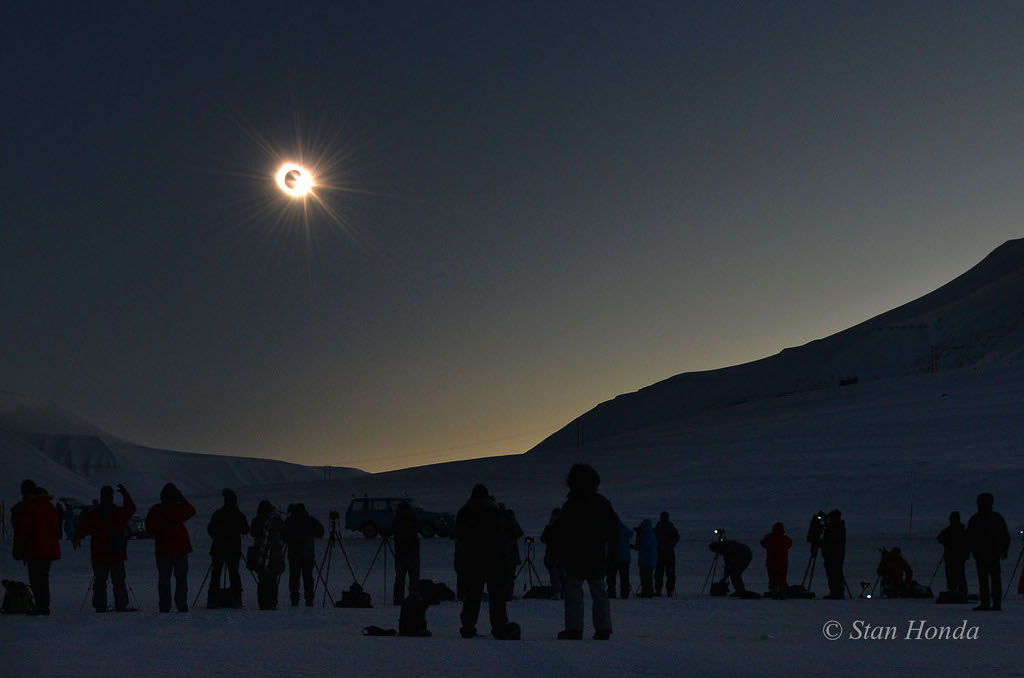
(777, 545)
(107, 525)
(35, 540)
(166, 522)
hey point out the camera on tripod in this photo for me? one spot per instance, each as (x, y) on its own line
(816, 529)
(528, 541)
(720, 533)
(335, 517)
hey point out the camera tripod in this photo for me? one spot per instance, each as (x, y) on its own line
(531, 570)
(711, 571)
(92, 582)
(812, 563)
(1014, 573)
(223, 580)
(322, 578)
(383, 547)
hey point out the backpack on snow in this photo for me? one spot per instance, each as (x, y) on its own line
(17, 598)
(412, 620)
(538, 591)
(719, 588)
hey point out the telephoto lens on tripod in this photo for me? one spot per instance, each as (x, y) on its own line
(720, 533)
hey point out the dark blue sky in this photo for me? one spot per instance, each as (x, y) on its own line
(545, 205)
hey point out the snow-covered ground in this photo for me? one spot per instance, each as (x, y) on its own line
(871, 450)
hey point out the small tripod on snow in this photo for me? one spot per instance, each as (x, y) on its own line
(333, 538)
(531, 570)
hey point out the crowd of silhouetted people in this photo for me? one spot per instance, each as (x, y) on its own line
(585, 542)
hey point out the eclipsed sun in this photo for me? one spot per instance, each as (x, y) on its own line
(294, 180)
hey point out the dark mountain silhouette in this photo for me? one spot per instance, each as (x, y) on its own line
(975, 320)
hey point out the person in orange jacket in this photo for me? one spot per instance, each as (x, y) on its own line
(166, 522)
(107, 525)
(777, 544)
(35, 540)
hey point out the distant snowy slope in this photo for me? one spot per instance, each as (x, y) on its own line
(70, 457)
(976, 319)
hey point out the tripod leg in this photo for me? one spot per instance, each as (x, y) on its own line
(200, 591)
(1014, 573)
(813, 564)
(847, 584)
(93, 581)
(936, 572)
(710, 572)
(875, 586)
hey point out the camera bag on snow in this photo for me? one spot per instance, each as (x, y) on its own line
(355, 596)
(538, 591)
(951, 597)
(434, 592)
(719, 588)
(17, 598)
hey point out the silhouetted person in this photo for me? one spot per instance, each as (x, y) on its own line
(833, 551)
(776, 545)
(269, 561)
(989, 541)
(481, 558)
(407, 551)
(106, 524)
(895, 572)
(552, 557)
(647, 557)
(226, 528)
(35, 540)
(587, 532)
(619, 557)
(513, 533)
(736, 558)
(166, 522)
(668, 537)
(955, 552)
(300, 532)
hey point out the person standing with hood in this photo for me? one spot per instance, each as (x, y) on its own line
(647, 557)
(588, 532)
(268, 554)
(35, 540)
(166, 522)
(107, 526)
(407, 551)
(833, 551)
(989, 540)
(481, 557)
(668, 537)
(955, 552)
(300, 532)
(226, 528)
(776, 545)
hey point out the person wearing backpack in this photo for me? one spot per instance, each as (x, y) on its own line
(226, 528)
(989, 541)
(647, 557)
(668, 537)
(955, 553)
(300, 531)
(267, 554)
(481, 558)
(166, 522)
(106, 524)
(35, 540)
